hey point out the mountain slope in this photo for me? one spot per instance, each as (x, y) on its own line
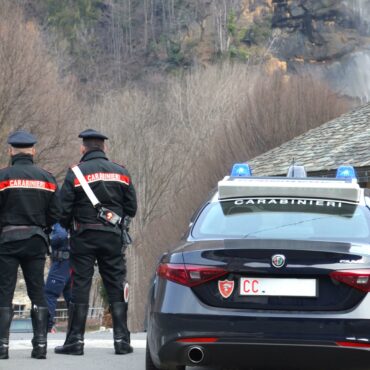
(113, 41)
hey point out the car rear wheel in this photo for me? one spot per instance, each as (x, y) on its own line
(149, 365)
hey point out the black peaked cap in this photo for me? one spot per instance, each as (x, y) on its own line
(21, 139)
(92, 134)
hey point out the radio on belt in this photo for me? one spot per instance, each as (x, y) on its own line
(108, 216)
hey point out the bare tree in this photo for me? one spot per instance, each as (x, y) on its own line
(32, 95)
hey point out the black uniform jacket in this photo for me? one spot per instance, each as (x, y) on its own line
(28, 194)
(111, 184)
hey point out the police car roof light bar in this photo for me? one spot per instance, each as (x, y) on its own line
(334, 189)
(241, 170)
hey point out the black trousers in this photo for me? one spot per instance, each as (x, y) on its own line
(105, 248)
(30, 255)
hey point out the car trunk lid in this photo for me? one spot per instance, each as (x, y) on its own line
(305, 263)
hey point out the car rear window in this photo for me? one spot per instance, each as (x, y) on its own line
(283, 219)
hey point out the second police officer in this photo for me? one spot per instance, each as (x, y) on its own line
(96, 238)
(28, 205)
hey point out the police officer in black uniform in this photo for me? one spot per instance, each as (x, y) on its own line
(93, 239)
(28, 205)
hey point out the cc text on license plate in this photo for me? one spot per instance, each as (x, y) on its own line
(284, 287)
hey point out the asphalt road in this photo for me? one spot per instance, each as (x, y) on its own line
(99, 354)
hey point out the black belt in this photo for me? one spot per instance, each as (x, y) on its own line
(59, 255)
(13, 233)
(77, 227)
(97, 226)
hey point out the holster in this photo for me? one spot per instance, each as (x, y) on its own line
(125, 236)
(126, 239)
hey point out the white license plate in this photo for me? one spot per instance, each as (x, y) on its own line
(278, 287)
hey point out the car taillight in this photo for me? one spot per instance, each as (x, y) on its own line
(189, 275)
(353, 344)
(359, 279)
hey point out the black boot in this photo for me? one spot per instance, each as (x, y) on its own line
(74, 344)
(6, 315)
(121, 334)
(39, 316)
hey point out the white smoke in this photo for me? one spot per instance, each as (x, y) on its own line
(360, 7)
(351, 75)
(361, 10)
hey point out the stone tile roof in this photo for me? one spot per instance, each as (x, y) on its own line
(344, 140)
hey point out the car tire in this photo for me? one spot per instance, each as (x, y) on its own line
(149, 365)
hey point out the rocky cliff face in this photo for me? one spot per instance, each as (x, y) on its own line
(318, 30)
(329, 38)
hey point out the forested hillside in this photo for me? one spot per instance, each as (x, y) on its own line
(107, 42)
(182, 88)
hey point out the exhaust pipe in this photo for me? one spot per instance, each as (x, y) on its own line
(196, 355)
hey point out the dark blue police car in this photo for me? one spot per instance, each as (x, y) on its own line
(274, 274)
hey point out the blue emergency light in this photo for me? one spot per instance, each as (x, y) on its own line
(346, 172)
(241, 170)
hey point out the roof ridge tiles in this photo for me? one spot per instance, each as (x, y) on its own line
(333, 151)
